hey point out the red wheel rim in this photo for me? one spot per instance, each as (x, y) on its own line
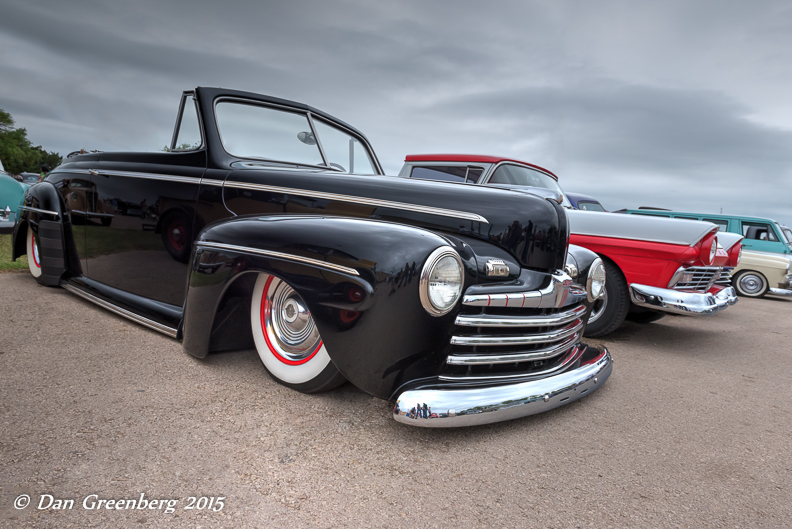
(35, 251)
(177, 235)
(263, 310)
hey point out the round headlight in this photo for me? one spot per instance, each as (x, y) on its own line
(441, 281)
(713, 250)
(595, 284)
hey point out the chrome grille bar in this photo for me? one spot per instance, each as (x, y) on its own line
(702, 279)
(494, 320)
(519, 339)
(512, 357)
(563, 364)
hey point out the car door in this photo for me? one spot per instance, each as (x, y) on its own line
(140, 230)
(760, 236)
(74, 185)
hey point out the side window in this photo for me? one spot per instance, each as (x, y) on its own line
(448, 173)
(652, 215)
(344, 151)
(722, 224)
(188, 136)
(686, 218)
(758, 231)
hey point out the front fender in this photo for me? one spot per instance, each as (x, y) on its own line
(392, 339)
(44, 212)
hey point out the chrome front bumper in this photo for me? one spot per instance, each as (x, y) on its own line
(680, 301)
(473, 406)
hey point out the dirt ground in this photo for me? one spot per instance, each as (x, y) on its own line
(692, 430)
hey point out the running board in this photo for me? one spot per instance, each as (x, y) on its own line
(164, 329)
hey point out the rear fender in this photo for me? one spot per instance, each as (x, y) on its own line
(377, 342)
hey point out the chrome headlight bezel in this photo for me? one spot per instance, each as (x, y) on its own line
(432, 261)
(596, 267)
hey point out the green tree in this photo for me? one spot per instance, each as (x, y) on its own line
(18, 153)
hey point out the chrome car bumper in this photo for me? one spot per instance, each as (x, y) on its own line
(680, 301)
(473, 406)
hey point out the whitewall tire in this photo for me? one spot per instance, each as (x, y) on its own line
(33, 255)
(287, 340)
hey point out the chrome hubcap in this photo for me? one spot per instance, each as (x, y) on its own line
(289, 324)
(751, 284)
(599, 308)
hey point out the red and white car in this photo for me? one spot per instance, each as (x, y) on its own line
(654, 265)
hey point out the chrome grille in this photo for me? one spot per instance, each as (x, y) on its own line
(514, 334)
(725, 278)
(702, 279)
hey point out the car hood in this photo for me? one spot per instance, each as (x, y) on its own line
(531, 228)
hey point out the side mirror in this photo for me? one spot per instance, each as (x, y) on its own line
(307, 138)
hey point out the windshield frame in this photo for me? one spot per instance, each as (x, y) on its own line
(485, 179)
(310, 117)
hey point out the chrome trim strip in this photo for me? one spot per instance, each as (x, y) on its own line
(164, 329)
(279, 255)
(492, 320)
(472, 406)
(359, 200)
(688, 303)
(151, 176)
(37, 210)
(520, 339)
(566, 362)
(510, 358)
(780, 292)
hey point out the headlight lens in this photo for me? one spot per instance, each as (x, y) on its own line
(595, 285)
(441, 281)
(713, 250)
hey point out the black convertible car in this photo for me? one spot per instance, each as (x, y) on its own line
(269, 224)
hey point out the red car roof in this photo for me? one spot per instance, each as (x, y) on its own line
(472, 158)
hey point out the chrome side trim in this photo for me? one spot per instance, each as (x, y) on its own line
(520, 339)
(559, 293)
(510, 358)
(472, 406)
(359, 200)
(37, 210)
(688, 303)
(132, 174)
(492, 320)
(279, 255)
(164, 329)
(150, 176)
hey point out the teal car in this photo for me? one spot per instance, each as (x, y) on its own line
(760, 234)
(11, 194)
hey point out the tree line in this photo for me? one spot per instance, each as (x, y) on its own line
(17, 152)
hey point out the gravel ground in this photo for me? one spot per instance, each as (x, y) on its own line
(692, 429)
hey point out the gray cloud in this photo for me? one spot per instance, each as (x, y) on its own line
(665, 103)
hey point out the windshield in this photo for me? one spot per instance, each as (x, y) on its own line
(285, 136)
(786, 233)
(590, 206)
(523, 176)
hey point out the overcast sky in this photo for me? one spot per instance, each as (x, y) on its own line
(684, 105)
